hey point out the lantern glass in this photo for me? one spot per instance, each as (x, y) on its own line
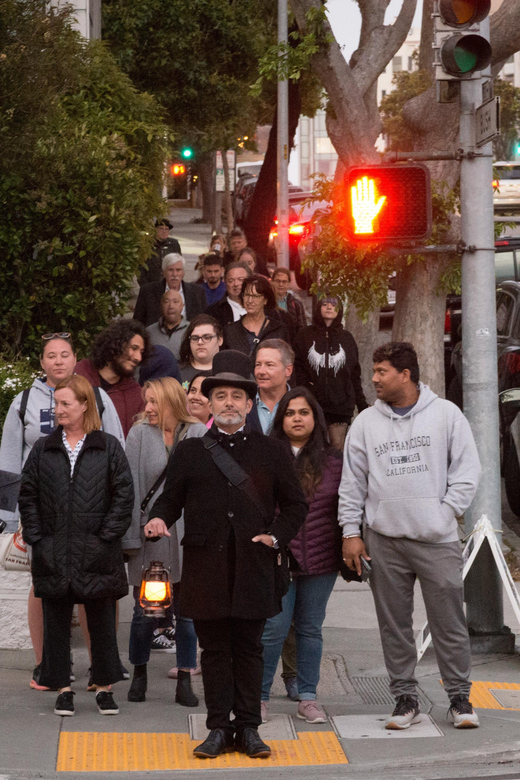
(155, 594)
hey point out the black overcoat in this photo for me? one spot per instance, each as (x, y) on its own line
(75, 524)
(224, 573)
(148, 305)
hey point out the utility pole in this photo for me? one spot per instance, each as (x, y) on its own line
(479, 367)
(282, 186)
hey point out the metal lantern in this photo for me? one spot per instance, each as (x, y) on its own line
(156, 591)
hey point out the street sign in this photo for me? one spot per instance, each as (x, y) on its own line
(220, 182)
(487, 124)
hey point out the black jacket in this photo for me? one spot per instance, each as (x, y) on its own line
(235, 335)
(154, 271)
(224, 573)
(222, 312)
(75, 524)
(148, 306)
(327, 363)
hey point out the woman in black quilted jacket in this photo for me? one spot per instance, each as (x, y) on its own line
(75, 505)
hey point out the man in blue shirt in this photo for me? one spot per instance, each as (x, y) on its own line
(212, 270)
(273, 368)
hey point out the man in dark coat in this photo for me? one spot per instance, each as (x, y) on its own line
(148, 305)
(229, 309)
(164, 245)
(229, 583)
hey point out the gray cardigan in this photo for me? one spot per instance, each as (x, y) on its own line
(147, 455)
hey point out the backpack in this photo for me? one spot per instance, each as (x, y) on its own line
(25, 400)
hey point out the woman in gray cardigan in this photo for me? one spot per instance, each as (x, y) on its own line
(150, 442)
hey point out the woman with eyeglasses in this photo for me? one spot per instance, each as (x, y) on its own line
(31, 416)
(199, 346)
(261, 320)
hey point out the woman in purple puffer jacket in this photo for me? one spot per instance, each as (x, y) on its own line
(314, 552)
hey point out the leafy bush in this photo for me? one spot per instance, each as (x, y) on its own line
(15, 376)
(80, 172)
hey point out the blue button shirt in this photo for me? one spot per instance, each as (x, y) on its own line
(265, 416)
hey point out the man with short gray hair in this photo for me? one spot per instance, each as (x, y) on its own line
(148, 307)
(171, 328)
(273, 368)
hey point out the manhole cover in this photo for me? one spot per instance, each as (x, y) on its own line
(375, 690)
(373, 727)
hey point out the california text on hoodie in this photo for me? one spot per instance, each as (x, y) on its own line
(327, 363)
(409, 476)
(18, 439)
(125, 394)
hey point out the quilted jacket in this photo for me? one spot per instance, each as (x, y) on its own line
(317, 546)
(75, 524)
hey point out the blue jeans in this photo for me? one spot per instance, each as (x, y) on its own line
(305, 603)
(141, 634)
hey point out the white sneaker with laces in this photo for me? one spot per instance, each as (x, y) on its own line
(462, 713)
(406, 713)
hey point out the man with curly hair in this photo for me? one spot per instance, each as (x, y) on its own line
(117, 352)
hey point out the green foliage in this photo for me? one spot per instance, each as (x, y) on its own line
(198, 58)
(15, 376)
(504, 146)
(80, 178)
(408, 85)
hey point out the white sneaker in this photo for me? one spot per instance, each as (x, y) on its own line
(463, 714)
(311, 712)
(405, 713)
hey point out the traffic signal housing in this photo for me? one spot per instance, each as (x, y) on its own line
(388, 203)
(460, 51)
(187, 153)
(177, 169)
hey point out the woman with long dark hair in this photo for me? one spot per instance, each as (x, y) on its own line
(314, 552)
(260, 322)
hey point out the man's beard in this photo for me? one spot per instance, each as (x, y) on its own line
(235, 420)
(120, 370)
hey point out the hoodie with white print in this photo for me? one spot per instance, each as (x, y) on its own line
(409, 476)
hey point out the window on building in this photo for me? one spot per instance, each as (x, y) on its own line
(383, 93)
(410, 63)
(397, 64)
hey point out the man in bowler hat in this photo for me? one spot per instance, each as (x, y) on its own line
(231, 551)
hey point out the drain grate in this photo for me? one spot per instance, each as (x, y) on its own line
(375, 690)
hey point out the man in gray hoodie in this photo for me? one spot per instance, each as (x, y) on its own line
(410, 469)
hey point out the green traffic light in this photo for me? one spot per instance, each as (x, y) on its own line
(187, 153)
(466, 60)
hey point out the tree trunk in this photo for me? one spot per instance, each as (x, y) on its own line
(206, 174)
(365, 335)
(227, 194)
(419, 316)
(262, 210)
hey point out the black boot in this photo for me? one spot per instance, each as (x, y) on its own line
(137, 690)
(184, 695)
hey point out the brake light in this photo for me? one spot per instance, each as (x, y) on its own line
(297, 230)
(447, 322)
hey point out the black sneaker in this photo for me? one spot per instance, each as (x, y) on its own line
(462, 713)
(405, 713)
(65, 703)
(106, 704)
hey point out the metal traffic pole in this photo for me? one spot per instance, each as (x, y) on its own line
(282, 186)
(479, 369)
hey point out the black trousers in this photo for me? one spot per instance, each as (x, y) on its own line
(232, 669)
(101, 620)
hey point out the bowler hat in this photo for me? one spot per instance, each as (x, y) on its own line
(232, 369)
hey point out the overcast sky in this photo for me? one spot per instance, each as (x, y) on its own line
(345, 20)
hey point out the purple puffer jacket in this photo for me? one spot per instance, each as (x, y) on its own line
(317, 547)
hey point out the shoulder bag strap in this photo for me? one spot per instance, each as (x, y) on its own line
(180, 433)
(23, 404)
(99, 402)
(232, 471)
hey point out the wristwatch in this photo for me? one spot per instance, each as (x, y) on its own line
(275, 541)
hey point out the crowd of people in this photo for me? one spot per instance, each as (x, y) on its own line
(214, 432)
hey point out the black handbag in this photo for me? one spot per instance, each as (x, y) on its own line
(241, 480)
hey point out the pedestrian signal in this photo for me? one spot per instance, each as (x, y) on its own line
(385, 203)
(460, 55)
(178, 169)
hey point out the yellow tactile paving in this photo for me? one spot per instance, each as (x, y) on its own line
(482, 697)
(85, 751)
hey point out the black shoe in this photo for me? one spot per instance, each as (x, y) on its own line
(462, 713)
(65, 703)
(217, 742)
(248, 741)
(106, 704)
(184, 694)
(137, 691)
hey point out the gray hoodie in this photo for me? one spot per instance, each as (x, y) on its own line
(409, 476)
(18, 440)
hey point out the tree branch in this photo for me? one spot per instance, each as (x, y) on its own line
(505, 31)
(380, 42)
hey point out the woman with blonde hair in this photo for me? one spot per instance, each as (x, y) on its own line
(75, 505)
(150, 442)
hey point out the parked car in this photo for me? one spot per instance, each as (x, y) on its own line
(506, 187)
(244, 190)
